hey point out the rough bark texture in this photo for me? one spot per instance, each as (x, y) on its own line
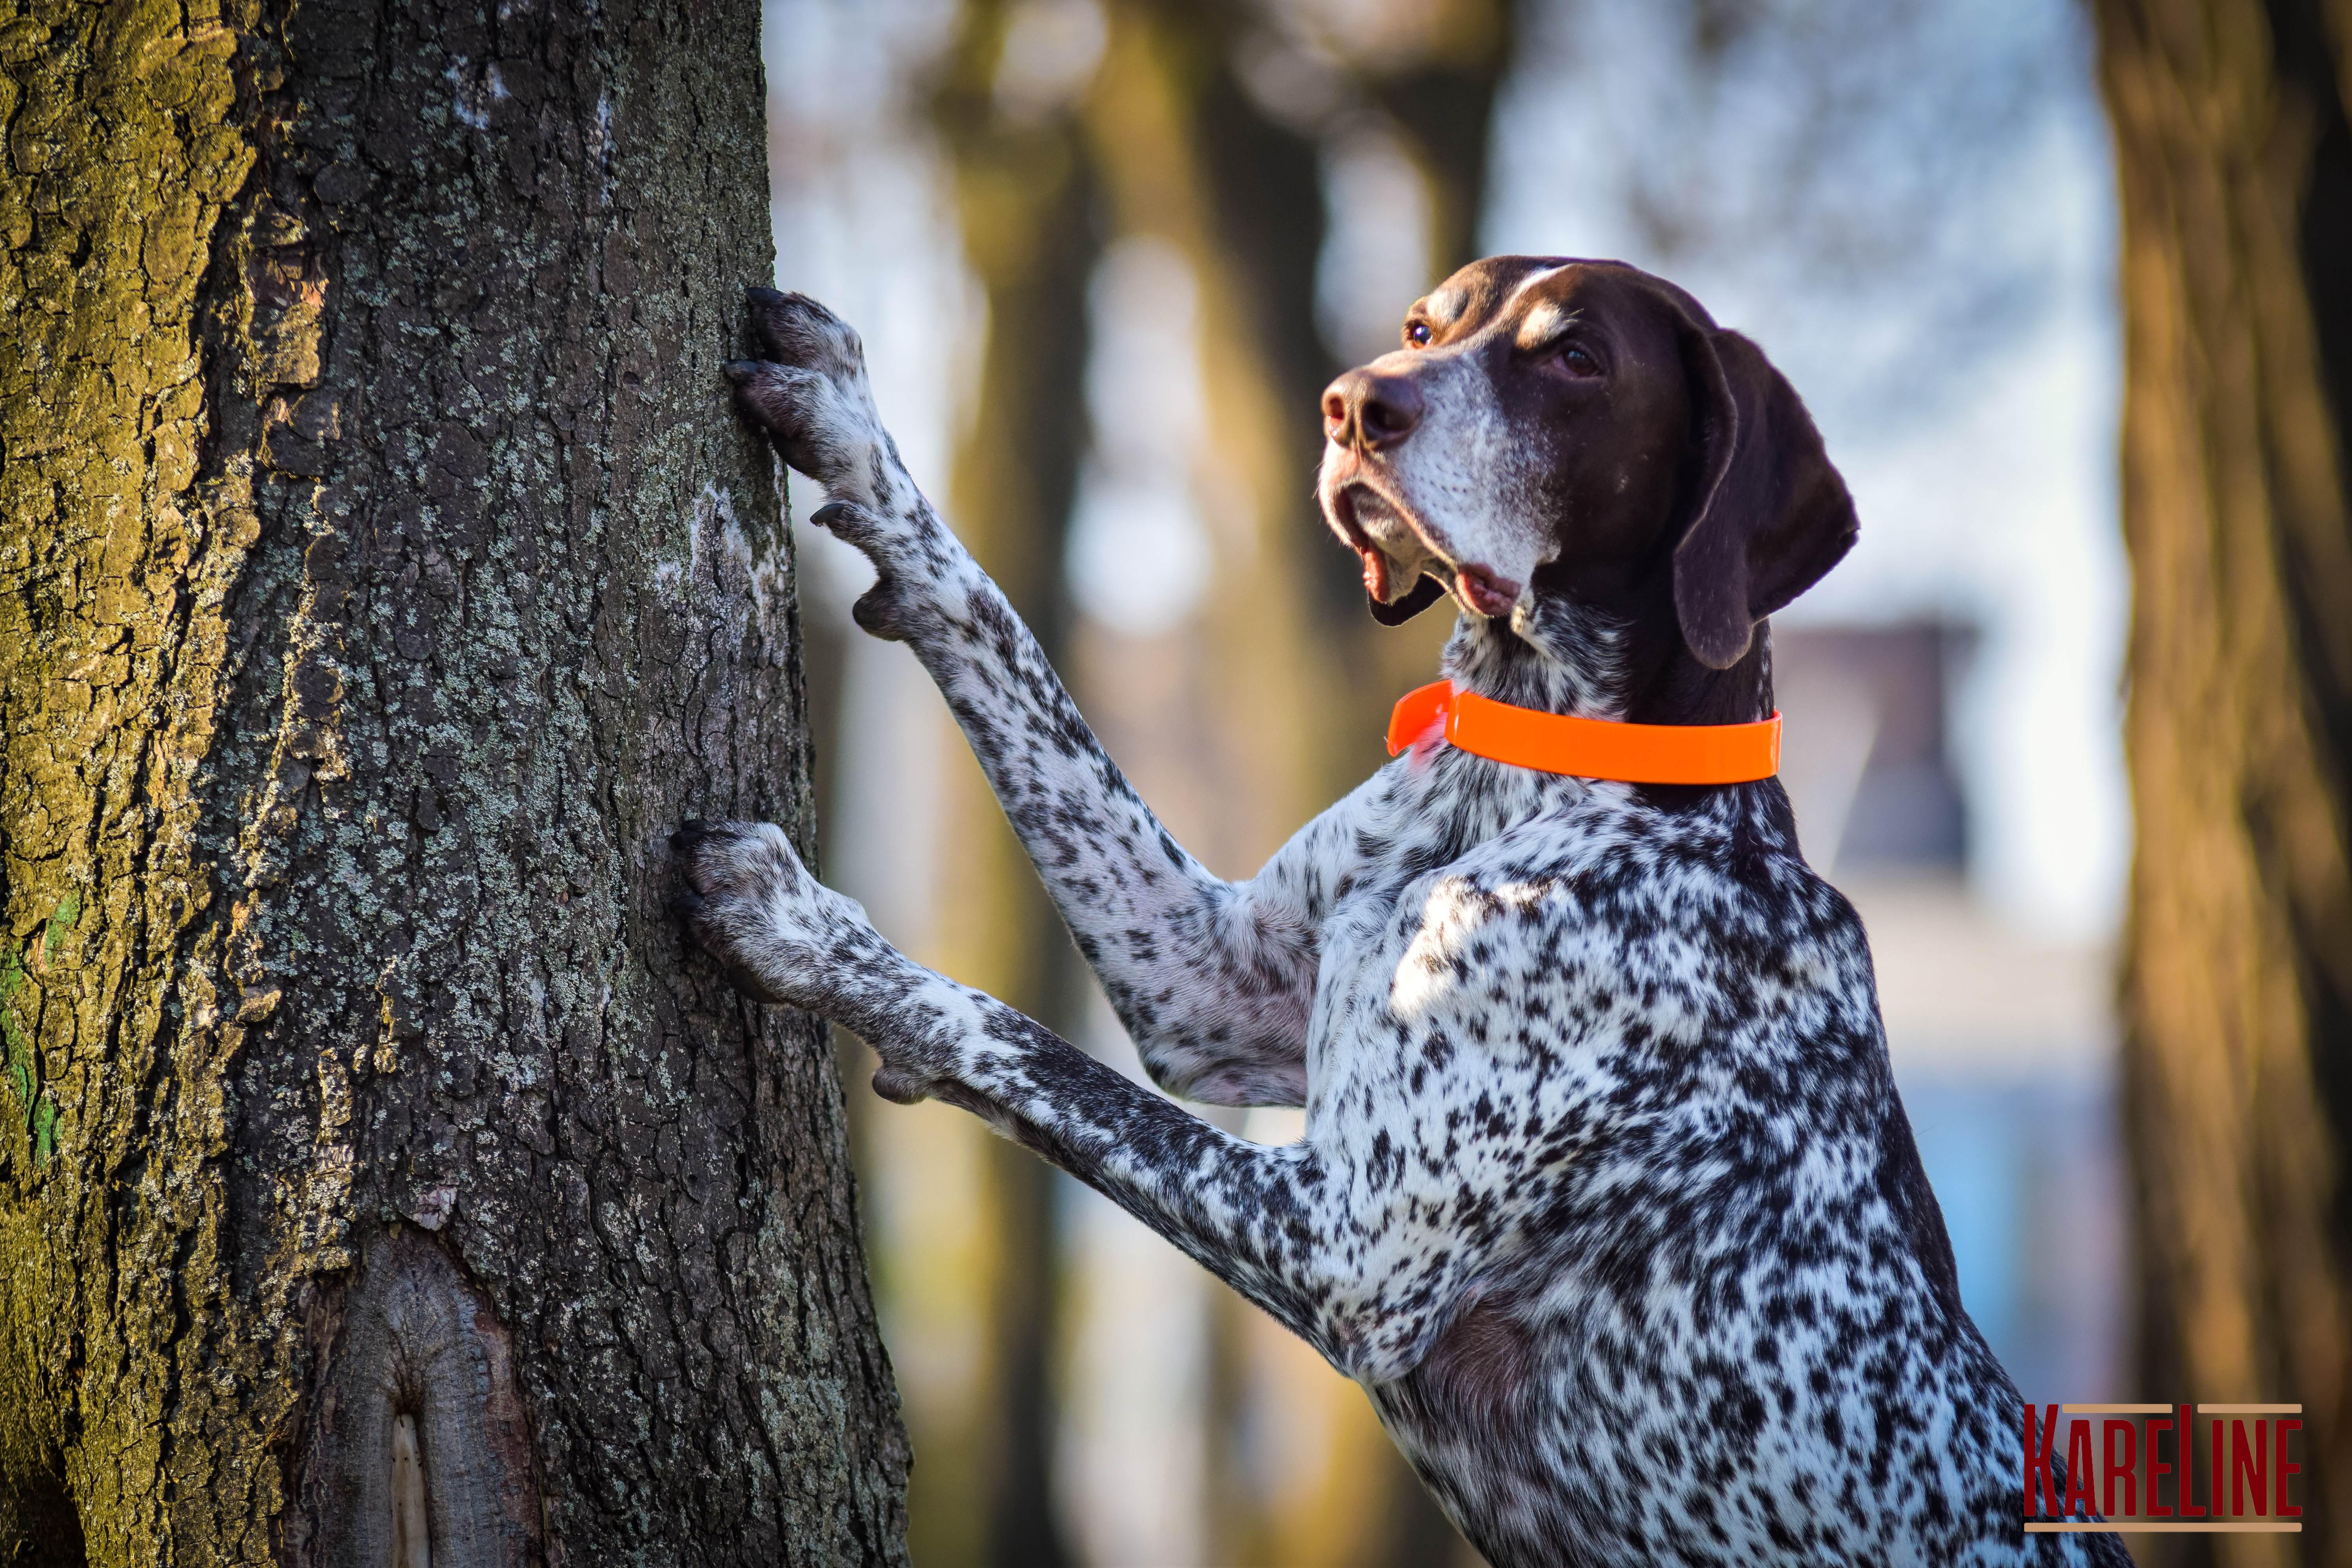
(383, 573)
(2236, 164)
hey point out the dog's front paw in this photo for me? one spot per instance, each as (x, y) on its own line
(808, 391)
(780, 934)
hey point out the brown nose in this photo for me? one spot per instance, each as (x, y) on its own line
(1362, 409)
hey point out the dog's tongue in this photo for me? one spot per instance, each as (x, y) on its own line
(1376, 572)
(1481, 590)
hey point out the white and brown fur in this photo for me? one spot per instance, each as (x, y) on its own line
(1606, 1195)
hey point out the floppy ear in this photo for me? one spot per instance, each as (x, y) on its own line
(1426, 593)
(1770, 515)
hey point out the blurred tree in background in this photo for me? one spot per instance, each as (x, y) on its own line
(1025, 199)
(2236, 164)
(1068, 129)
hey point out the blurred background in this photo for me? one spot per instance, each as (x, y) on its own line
(1105, 254)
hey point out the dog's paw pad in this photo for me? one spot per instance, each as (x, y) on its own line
(903, 1086)
(883, 611)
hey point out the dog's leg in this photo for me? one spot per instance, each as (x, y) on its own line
(1214, 980)
(1273, 1223)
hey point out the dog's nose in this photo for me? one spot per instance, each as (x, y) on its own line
(1363, 409)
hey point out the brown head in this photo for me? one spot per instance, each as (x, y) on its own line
(1582, 432)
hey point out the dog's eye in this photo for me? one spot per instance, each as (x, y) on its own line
(1580, 360)
(1416, 333)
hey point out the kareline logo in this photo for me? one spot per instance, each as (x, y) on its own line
(2220, 1470)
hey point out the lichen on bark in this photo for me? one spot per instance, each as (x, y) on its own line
(382, 573)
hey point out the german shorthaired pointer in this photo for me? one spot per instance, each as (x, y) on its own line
(1606, 1196)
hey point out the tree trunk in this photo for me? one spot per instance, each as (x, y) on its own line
(383, 574)
(2236, 163)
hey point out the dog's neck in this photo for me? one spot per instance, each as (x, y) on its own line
(1560, 656)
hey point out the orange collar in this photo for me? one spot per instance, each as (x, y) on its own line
(1588, 748)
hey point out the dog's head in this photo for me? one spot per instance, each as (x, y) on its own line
(1580, 428)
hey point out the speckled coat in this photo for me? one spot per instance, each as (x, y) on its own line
(1606, 1196)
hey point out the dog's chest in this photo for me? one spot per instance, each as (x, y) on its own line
(1652, 1046)
(1597, 959)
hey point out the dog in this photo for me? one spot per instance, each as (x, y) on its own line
(1606, 1197)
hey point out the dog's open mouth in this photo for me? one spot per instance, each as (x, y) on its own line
(1358, 509)
(1397, 551)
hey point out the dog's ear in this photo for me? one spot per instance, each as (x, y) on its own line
(1426, 593)
(1769, 515)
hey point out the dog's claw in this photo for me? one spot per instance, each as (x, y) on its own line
(834, 514)
(740, 371)
(761, 294)
(797, 331)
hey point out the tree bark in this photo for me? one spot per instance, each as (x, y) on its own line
(2236, 171)
(383, 574)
